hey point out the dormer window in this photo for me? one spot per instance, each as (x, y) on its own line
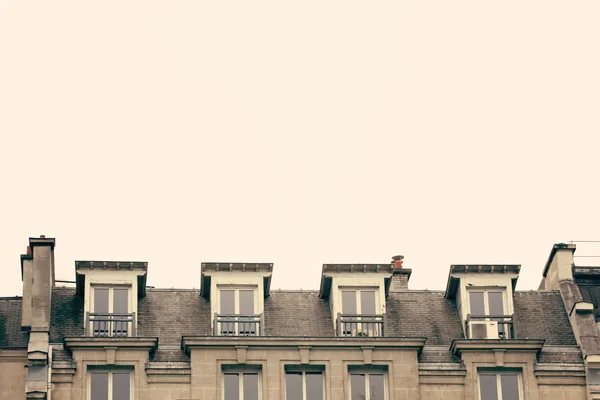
(356, 294)
(111, 290)
(236, 292)
(483, 296)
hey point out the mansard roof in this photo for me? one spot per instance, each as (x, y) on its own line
(170, 314)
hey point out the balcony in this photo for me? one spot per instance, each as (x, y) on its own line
(238, 325)
(490, 327)
(359, 325)
(110, 325)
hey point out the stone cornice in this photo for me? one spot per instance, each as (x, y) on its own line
(189, 342)
(13, 354)
(459, 346)
(84, 342)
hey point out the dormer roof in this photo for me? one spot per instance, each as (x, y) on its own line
(210, 268)
(140, 268)
(457, 270)
(332, 269)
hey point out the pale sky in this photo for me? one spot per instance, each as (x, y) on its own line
(298, 133)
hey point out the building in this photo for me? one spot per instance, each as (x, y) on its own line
(363, 335)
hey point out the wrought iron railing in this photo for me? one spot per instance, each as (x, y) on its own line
(505, 324)
(110, 325)
(238, 325)
(359, 325)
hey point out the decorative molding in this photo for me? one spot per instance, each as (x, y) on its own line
(442, 374)
(190, 342)
(367, 355)
(13, 355)
(241, 354)
(304, 354)
(110, 355)
(499, 356)
(169, 372)
(459, 346)
(84, 342)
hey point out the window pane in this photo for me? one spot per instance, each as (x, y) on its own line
(231, 387)
(121, 389)
(510, 386)
(250, 386)
(376, 387)
(101, 300)
(314, 386)
(367, 302)
(120, 306)
(348, 302)
(476, 301)
(495, 303)
(293, 386)
(227, 302)
(357, 386)
(99, 388)
(488, 388)
(120, 301)
(246, 302)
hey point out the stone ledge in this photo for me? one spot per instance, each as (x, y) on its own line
(414, 343)
(459, 346)
(84, 342)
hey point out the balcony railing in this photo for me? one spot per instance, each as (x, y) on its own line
(238, 325)
(505, 325)
(110, 325)
(359, 325)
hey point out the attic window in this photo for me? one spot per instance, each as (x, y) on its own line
(237, 312)
(488, 318)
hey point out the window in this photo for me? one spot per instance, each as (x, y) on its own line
(367, 386)
(360, 315)
(237, 312)
(488, 305)
(356, 302)
(241, 386)
(110, 385)
(304, 385)
(499, 386)
(110, 313)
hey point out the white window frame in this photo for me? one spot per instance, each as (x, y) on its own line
(110, 373)
(236, 297)
(111, 288)
(486, 302)
(110, 296)
(358, 291)
(367, 373)
(304, 371)
(240, 374)
(498, 375)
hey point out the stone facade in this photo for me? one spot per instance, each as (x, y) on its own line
(173, 349)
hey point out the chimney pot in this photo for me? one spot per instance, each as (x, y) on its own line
(397, 261)
(42, 236)
(28, 250)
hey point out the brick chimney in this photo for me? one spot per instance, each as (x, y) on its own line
(400, 275)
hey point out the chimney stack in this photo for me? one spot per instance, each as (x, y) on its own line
(38, 279)
(400, 275)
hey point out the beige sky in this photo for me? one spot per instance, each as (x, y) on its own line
(299, 133)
